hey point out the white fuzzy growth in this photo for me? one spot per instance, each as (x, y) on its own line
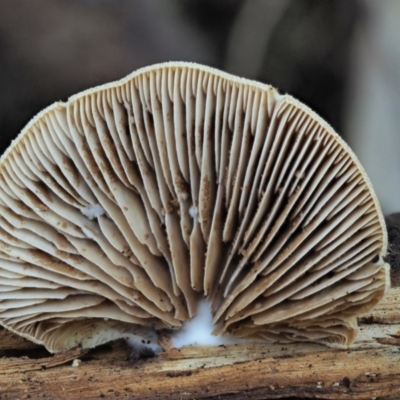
(92, 211)
(76, 363)
(193, 211)
(198, 330)
(138, 342)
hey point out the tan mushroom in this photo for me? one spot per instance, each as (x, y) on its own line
(122, 207)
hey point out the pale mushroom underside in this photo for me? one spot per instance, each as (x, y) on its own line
(125, 205)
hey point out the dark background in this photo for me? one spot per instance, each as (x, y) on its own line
(51, 49)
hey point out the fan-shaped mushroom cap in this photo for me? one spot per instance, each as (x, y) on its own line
(122, 206)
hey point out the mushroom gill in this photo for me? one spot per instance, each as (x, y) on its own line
(125, 205)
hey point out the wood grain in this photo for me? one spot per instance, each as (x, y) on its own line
(369, 369)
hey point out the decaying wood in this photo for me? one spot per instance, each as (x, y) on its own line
(369, 369)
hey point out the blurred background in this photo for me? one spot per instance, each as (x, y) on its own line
(340, 57)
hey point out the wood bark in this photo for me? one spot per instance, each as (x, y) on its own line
(370, 368)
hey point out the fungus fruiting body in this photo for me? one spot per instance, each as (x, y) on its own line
(125, 206)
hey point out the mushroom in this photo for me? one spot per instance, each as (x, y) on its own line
(124, 206)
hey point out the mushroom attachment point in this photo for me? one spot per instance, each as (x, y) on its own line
(125, 206)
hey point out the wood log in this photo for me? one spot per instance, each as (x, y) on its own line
(369, 369)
